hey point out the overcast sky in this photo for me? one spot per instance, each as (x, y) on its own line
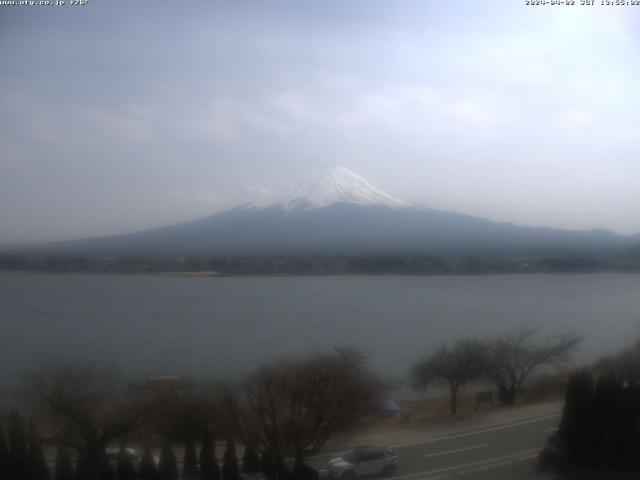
(123, 115)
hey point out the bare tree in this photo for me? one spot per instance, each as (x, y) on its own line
(514, 357)
(188, 409)
(90, 408)
(465, 361)
(294, 408)
(625, 363)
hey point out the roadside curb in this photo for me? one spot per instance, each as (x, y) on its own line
(450, 427)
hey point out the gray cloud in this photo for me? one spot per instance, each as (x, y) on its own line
(121, 115)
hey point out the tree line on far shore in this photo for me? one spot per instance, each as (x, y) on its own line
(412, 264)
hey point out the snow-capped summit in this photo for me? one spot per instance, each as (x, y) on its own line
(337, 185)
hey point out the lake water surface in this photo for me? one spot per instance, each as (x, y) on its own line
(223, 327)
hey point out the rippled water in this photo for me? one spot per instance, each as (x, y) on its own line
(224, 326)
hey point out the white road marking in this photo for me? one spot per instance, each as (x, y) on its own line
(457, 450)
(338, 453)
(486, 467)
(528, 457)
(549, 430)
(477, 432)
(467, 465)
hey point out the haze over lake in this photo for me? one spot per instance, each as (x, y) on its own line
(223, 327)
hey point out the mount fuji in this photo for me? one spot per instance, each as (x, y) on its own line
(332, 186)
(339, 212)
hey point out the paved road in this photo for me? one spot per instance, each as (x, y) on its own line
(506, 451)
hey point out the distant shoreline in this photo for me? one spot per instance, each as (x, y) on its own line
(209, 273)
(214, 274)
(323, 265)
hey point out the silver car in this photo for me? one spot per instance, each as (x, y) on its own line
(362, 462)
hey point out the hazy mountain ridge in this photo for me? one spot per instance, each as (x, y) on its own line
(342, 213)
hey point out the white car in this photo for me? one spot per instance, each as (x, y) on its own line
(362, 462)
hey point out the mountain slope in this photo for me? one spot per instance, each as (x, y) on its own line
(342, 213)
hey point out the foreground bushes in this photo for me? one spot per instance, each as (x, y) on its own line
(600, 426)
(23, 459)
(89, 410)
